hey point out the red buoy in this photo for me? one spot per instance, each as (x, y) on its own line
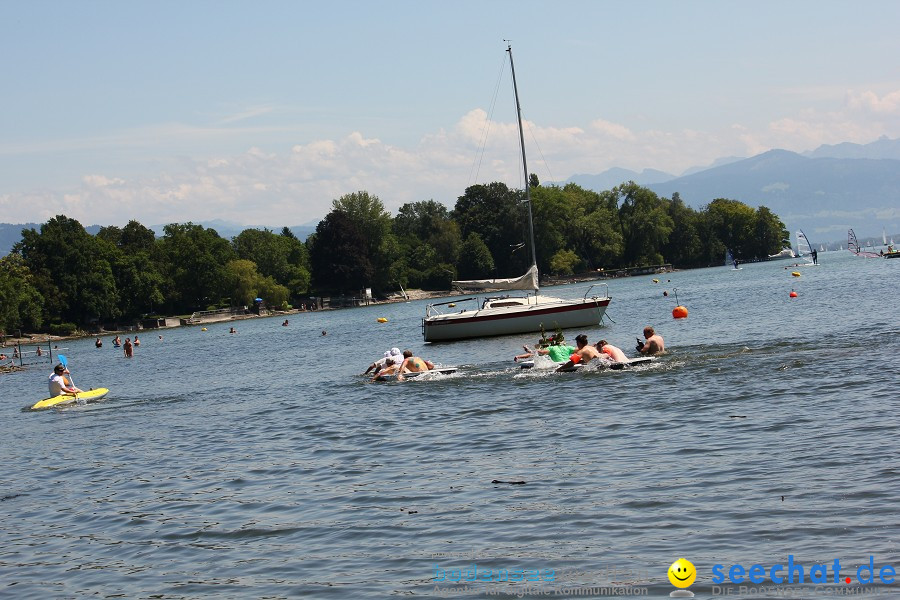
(680, 312)
(793, 294)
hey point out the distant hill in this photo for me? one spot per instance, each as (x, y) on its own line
(611, 178)
(881, 148)
(823, 196)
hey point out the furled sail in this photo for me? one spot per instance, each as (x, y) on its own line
(528, 281)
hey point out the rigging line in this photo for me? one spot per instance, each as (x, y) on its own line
(479, 155)
(540, 151)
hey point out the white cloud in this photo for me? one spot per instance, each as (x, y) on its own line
(298, 183)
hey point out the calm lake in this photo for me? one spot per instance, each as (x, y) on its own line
(261, 464)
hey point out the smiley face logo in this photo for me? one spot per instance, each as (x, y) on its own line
(682, 573)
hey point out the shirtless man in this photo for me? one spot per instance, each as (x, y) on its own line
(413, 364)
(654, 344)
(612, 352)
(583, 354)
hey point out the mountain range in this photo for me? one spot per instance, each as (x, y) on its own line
(824, 192)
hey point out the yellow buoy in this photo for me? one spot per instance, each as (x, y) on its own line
(796, 273)
(382, 320)
(656, 281)
(203, 329)
(452, 305)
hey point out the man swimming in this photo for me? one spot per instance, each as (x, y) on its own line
(583, 354)
(611, 351)
(654, 343)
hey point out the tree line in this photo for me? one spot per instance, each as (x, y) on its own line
(60, 276)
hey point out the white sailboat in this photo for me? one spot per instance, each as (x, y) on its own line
(509, 315)
(785, 253)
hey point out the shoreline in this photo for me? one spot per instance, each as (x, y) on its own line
(39, 339)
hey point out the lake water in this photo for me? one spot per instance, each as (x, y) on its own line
(261, 464)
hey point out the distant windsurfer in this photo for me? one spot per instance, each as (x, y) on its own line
(654, 343)
(815, 257)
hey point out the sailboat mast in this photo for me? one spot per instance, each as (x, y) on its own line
(524, 164)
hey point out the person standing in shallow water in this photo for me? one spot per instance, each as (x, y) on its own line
(128, 348)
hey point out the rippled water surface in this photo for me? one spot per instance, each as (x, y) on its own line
(261, 464)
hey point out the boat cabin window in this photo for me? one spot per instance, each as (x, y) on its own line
(502, 303)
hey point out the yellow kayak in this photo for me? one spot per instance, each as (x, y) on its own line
(64, 399)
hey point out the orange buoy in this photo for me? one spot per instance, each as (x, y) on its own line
(793, 294)
(680, 312)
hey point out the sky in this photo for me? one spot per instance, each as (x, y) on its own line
(263, 113)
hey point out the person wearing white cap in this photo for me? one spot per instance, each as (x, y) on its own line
(379, 364)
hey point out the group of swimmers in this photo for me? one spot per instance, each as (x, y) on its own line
(127, 347)
(396, 363)
(567, 356)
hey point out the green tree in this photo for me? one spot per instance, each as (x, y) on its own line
(283, 258)
(138, 280)
(337, 255)
(247, 284)
(684, 248)
(564, 262)
(496, 214)
(192, 260)
(644, 224)
(475, 261)
(20, 301)
(72, 271)
(769, 234)
(731, 224)
(373, 223)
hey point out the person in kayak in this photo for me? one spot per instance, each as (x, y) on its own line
(58, 383)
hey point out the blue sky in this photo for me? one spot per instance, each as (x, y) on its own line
(262, 113)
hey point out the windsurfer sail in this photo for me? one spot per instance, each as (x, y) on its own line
(853, 246)
(805, 249)
(730, 260)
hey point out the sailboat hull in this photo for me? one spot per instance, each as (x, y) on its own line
(467, 324)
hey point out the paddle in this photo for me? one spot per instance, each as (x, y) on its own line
(65, 363)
